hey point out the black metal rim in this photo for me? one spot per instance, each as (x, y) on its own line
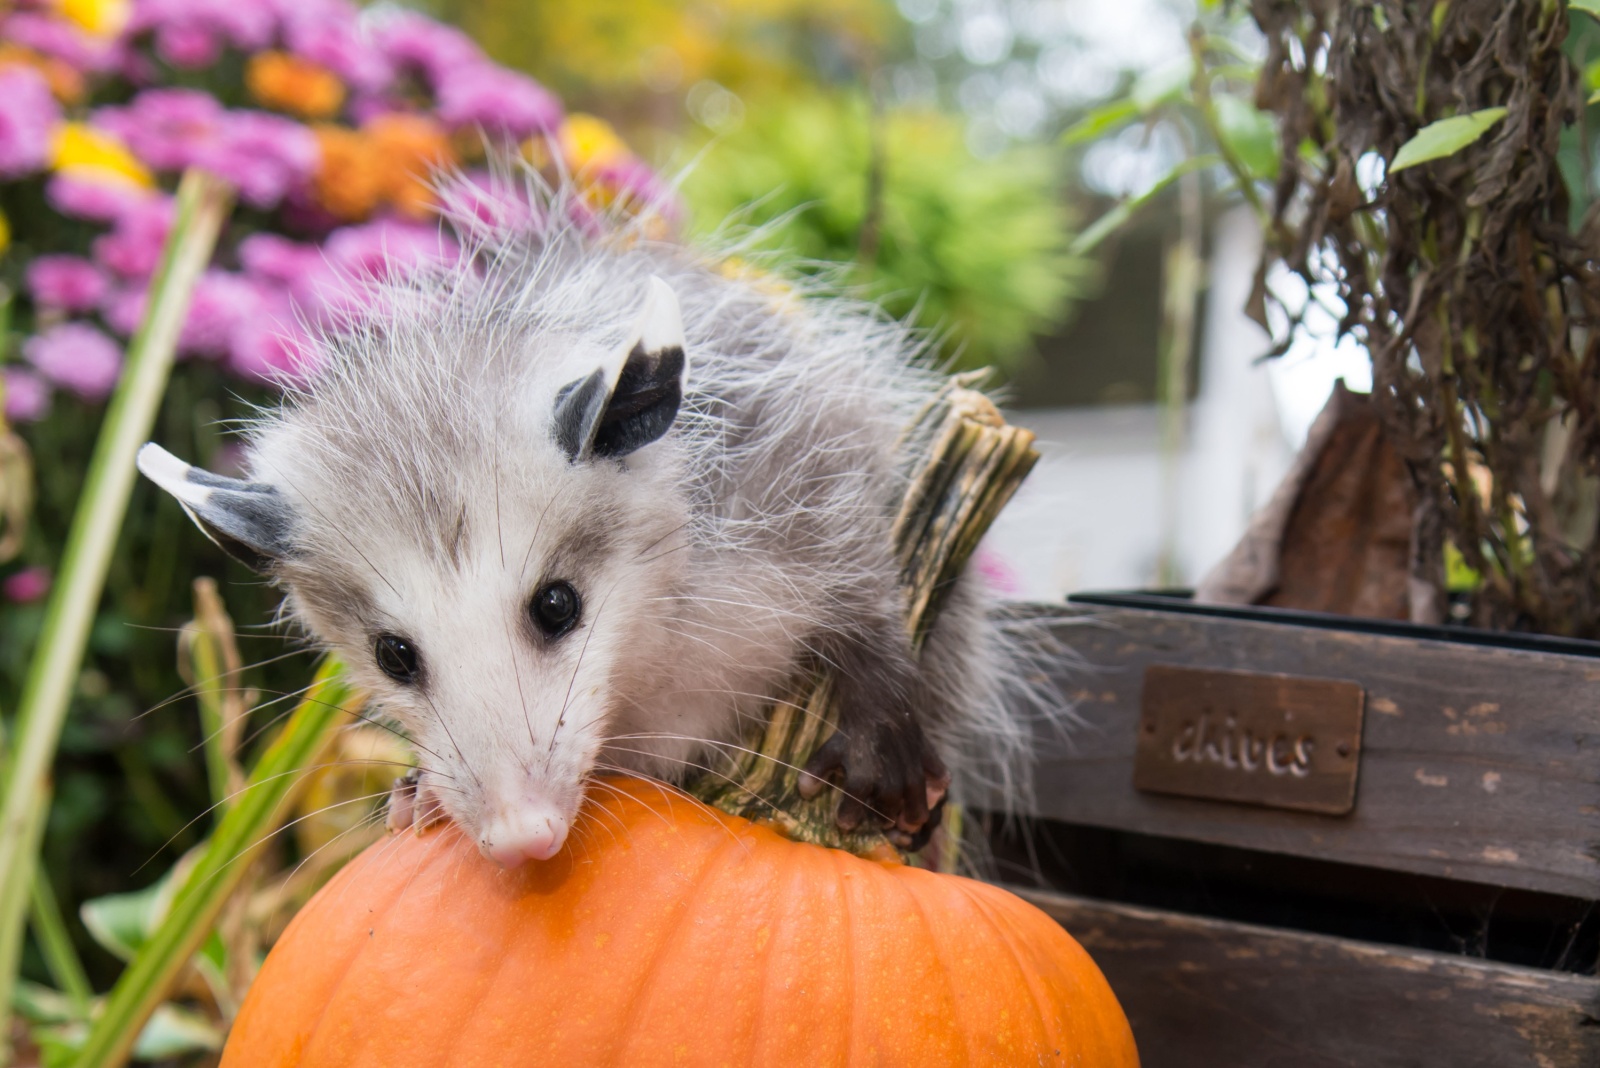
(1181, 601)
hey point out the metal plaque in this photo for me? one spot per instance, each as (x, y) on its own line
(1274, 740)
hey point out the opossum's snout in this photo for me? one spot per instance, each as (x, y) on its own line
(534, 829)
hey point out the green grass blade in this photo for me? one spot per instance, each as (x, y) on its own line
(203, 203)
(50, 928)
(249, 822)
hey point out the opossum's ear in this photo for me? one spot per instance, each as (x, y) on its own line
(249, 520)
(624, 406)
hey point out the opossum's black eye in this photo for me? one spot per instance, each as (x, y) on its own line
(397, 657)
(555, 608)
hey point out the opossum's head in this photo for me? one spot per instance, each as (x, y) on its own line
(488, 564)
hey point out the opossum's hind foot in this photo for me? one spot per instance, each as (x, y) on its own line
(412, 804)
(890, 777)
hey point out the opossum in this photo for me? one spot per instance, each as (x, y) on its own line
(584, 499)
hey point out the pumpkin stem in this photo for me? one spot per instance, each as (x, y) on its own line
(964, 463)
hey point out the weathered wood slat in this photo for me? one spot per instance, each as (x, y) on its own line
(1477, 763)
(1203, 992)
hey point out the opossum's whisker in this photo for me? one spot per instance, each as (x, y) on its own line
(228, 799)
(194, 689)
(566, 701)
(645, 736)
(448, 734)
(669, 793)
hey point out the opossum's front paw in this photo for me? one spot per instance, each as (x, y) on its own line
(890, 777)
(412, 804)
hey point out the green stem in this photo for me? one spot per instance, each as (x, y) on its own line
(202, 205)
(240, 835)
(50, 927)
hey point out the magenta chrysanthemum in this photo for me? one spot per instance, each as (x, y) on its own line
(27, 396)
(65, 283)
(76, 357)
(28, 116)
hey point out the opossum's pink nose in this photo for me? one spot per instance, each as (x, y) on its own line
(530, 831)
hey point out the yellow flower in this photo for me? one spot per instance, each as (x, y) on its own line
(587, 141)
(84, 152)
(292, 84)
(103, 18)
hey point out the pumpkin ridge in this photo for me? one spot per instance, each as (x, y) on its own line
(349, 965)
(841, 867)
(999, 923)
(910, 888)
(507, 946)
(774, 939)
(688, 899)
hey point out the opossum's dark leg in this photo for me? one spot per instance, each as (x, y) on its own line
(880, 756)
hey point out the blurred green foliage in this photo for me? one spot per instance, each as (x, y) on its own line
(895, 206)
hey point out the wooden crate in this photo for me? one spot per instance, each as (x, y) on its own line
(1306, 940)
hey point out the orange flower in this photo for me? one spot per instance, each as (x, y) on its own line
(409, 148)
(289, 83)
(350, 179)
(386, 162)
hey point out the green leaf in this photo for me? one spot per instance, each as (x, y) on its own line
(1591, 72)
(1164, 85)
(1250, 134)
(121, 923)
(219, 866)
(1589, 7)
(1100, 121)
(1445, 138)
(203, 202)
(174, 1031)
(1117, 217)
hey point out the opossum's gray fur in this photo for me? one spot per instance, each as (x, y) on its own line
(418, 461)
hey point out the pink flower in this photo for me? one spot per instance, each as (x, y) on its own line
(28, 115)
(482, 201)
(500, 101)
(188, 46)
(60, 39)
(86, 198)
(66, 283)
(77, 357)
(27, 395)
(26, 586)
(272, 349)
(193, 33)
(300, 273)
(133, 247)
(123, 309)
(427, 47)
(635, 181)
(222, 302)
(385, 247)
(328, 33)
(264, 155)
(166, 128)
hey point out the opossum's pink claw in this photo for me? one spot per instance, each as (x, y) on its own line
(412, 804)
(402, 803)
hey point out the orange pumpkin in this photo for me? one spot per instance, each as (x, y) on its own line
(670, 934)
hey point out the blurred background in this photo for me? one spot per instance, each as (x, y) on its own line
(1028, 180)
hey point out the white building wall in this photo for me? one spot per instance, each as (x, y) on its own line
(1092, 514)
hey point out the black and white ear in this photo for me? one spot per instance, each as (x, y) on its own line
(633, 399)
(250, 521)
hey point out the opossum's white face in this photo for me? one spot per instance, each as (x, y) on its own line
(488, 612)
